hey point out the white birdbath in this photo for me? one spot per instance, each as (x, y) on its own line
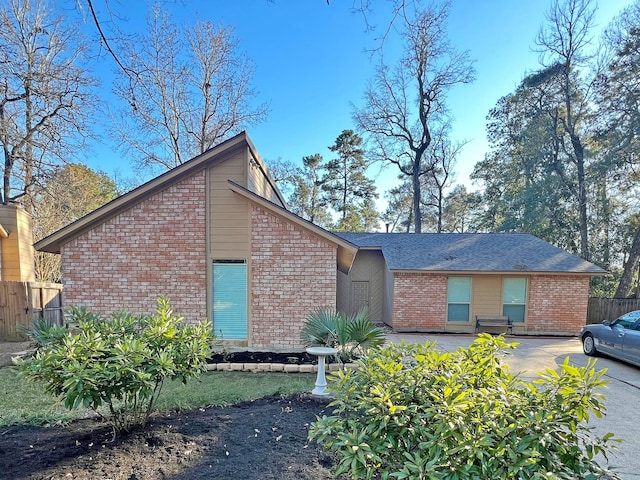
(321, 381)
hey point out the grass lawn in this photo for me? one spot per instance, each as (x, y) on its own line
(25, 402)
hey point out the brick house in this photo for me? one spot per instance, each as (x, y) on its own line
(441, 282)
(215, 236)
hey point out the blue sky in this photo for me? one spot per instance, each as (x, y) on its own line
(311, 64)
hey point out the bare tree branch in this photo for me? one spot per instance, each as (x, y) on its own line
(403, 105)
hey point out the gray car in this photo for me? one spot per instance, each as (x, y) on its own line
(619, 338)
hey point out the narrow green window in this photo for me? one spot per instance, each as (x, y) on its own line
(230, 299)
(458, 299)
(514, 298)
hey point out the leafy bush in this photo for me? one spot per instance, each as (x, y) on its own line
(353, 336)
(120, 363)
(410, 412)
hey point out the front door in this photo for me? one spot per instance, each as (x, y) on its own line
(359, 297)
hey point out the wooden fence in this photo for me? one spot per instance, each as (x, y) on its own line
(23, 302)
(600, 309)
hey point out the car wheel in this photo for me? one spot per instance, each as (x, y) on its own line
(589, 345)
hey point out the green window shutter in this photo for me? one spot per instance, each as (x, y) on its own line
(230, 300)
(514, 298)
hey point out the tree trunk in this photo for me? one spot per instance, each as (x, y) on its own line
(6, 177)
(416, 198)
(582, 197)
(630, 267)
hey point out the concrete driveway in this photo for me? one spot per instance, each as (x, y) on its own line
(534, 354)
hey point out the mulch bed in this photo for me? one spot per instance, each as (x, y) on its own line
(244, 356)
(263, 439)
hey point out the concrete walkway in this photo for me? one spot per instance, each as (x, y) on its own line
(535, 354)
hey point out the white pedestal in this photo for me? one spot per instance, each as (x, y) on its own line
(321, 380)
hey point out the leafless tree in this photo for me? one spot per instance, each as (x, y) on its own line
(404, 103)
(563, 43)
(192, 90)
(45, 95)
(442, 155)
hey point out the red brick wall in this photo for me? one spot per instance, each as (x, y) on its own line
(557, 303)
(156, 247)
(420, 302)
(292, 273)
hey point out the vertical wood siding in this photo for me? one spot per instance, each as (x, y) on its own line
(368, 266)
(229, 214)
(486, 295)
(258, 182)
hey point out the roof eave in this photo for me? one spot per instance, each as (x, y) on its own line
(500, 272)
(265, 172)
(53, 242)
(346, 250)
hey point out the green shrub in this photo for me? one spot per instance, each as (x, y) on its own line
(352, 335)
(120, 363)
(410, 412)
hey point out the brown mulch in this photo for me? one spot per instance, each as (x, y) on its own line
(263, 439)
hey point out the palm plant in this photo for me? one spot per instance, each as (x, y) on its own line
(43, 333)
(351, 335)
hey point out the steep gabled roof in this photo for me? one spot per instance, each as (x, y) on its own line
(346, 250)
(53, 242)
(472, 252)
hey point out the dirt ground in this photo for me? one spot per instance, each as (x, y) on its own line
(264, 439)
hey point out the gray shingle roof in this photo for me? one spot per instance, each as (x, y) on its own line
(472, 252)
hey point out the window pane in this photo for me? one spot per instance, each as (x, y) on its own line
(230, 300)
(514, 312)
(458, 312)
(459, 290)
(514, 290)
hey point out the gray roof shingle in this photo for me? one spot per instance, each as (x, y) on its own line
(472, 252)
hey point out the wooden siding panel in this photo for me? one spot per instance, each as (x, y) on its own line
(486, 295)
(368, 266)
(342, 292)
(229, 214)
(259, 183)
(387, 304)
(17, 252)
